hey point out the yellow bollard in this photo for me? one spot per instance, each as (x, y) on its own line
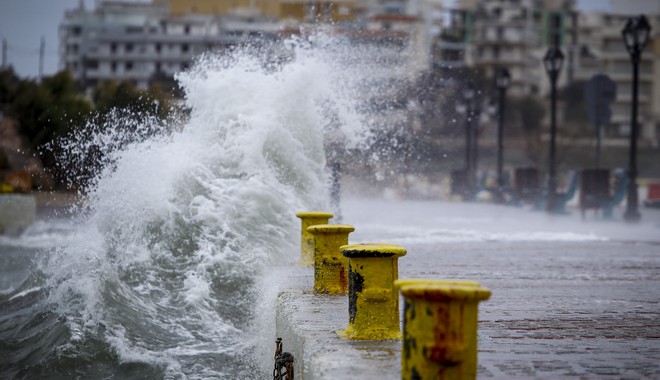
(310, 218)
(373, 302)
(440, 328)
(330, 267)
(425, 281)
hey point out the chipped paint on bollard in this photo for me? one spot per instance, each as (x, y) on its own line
(440, 328)
(373, 301)
(330, 267)
(308, 219)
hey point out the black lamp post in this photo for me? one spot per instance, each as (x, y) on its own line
(502, 80)
(468, 93)
(553, 61)
(635, 35)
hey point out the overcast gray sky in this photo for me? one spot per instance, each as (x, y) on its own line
(24, 22)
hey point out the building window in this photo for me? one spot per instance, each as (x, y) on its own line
(158, 47)
(496, 52)
(500, 33)
(129, 66)
(186, 29)
(76, 30)
(92, 64)
(113, 48)
(185, 48)
(113, 66)
(129, 47)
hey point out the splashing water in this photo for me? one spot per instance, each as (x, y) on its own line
(161, 276)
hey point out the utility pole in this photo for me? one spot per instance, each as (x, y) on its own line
(42, 51)
(4, 53)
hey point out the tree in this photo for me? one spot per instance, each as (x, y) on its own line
(50, 110)
(55, 109)
(47, 111)
(129, 100)
(8, 84)
(166, 84)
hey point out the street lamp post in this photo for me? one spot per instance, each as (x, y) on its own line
(553, 62)
(635, 35)
(467, 106)
(502, 80)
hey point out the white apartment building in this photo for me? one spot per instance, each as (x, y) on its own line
(139, 42)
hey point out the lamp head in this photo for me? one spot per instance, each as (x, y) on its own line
(636, 34)
(502, 78)
(553, 60)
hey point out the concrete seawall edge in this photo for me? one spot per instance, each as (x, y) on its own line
(308, 325)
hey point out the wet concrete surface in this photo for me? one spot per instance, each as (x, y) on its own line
(573, 299)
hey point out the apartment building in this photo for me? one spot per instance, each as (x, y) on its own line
(516, 34)
(142, 42)
(302, 10)
(601, 50)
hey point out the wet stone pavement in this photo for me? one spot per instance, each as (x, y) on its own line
(569, 299)
(591, 310)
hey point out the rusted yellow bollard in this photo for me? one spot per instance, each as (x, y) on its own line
(307, 219)
(373, 302)
(330, 267)
(440, 328)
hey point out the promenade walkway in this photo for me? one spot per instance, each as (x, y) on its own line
(571, 298)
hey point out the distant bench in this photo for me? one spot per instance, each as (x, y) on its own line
(596, 192)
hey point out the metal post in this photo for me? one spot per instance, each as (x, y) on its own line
(335, 189)
(468, 148)
(552, 169)
(635, 35)
(632, 212)
(42, 52)
(4, 53)
(500, 146)
(502, 80)
(476, 115)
